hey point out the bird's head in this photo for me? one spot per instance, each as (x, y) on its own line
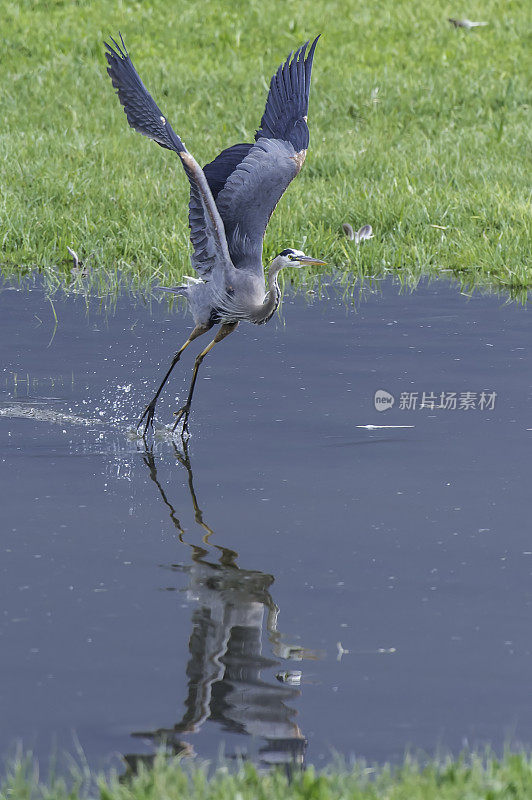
(294, 258)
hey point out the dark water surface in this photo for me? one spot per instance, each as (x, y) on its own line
(124, 620)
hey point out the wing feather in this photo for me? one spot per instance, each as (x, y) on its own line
(287, 103)
(254, 185)
(223, 165)
(144, 115)
(250, 195)
(233, 197)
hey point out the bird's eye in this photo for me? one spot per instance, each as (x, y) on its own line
(290, 256)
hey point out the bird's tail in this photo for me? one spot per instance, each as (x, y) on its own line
(182, 290)
(142, 112)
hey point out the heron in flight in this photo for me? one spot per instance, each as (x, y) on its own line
(231, 201)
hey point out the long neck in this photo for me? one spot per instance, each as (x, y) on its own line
(273, 297)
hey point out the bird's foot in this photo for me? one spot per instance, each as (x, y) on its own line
(148, 415)
(182, 414)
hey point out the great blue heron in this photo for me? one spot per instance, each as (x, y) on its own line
(231, 201)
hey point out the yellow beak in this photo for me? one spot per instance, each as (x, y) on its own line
(310, 260)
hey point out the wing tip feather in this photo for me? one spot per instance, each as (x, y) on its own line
(289, 95)
(116, 52)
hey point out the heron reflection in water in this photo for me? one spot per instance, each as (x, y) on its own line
(225, 683)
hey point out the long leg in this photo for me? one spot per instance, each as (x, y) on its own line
(149, 411)
(184, 412)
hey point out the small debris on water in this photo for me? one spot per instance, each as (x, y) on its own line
(292, 677)
(377, 427)
(341, 651)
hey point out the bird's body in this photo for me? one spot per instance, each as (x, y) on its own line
(229, 298)
(231, 201)
(221, 299)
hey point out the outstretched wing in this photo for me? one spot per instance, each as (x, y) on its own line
(144, 115)
(248, 181)
(285, 115)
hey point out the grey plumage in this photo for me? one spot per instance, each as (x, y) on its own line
(265, 173)
(231, 199)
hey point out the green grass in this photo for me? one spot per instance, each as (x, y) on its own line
(471, 778)
(414, 124)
